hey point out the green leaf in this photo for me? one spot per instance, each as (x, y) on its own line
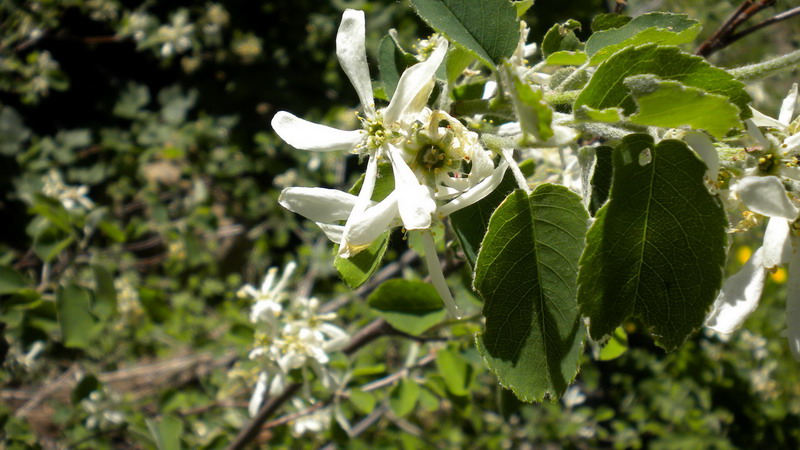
(526, 275)
(610, 115)
(13, 132)
(608, 21)
(105, 295)
(455, 371)
(357, 269)
(470, 224)
(50, 242)
(606, 89)
(363, 401)
(533, 112)
(652, 28)
(522, 6)
(392, 61)
(656, 250)
(601, 178)
(561, 37)
(458, 59)
(11, 282)
(166, 433)
(404, 397)
(616, 345)
(488, 28)
(409, 306)
(85, 387)
(73, 304)
(567, 58)
(670, 104)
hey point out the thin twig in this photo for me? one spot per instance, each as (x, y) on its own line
(620, 6)
(774, 19)
(722, 37)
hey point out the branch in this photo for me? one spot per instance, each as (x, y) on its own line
(774, 19)
(767, 68)
(722, 37)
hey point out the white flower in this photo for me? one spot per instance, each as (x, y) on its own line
(780, 148)
(313, 422)
(73, 198)
(741, 292)
(268, 299)
(176, 37)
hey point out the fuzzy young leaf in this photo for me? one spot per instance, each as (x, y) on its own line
(488, 28)
(409, 306)
(526, 274)
(656, 250)
(670, 104)
(607, 89)
(653, 28)
(561, 37)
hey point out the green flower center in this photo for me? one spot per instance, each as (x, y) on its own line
(432, 157)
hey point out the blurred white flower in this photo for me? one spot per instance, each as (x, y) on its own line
(316, 421)
(71, 197)
(176, 37)
(100, 405)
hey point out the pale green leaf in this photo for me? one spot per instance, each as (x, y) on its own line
(409, 306)
(652, 28)
(533, 112)
(656, 250)
(363, 401)
(455, 371)
(669, 104)
(564, 58)
(617, 345)
(488, 28)
(607, 89)
(404, 397)
(522, 6)
(526, 274)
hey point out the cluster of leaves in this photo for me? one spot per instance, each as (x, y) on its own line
(159, 111)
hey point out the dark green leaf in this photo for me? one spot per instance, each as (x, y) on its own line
(409, 306)
(85, 387)
(608, 21)
(656, 250)
(606, 89)
(469, 224)
(487, 28)
(526, 273)
(50, 242)
(105, 295)
(392, 61)
(652, 28)
(73, 304)
(601, 178)
(11, 282)
(561, 38)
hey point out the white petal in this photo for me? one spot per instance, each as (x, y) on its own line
(756, 134)
(476, 193)
(437, 276)
(306, 135)
(561, 136)
(414, 200)
(352, 53)
(792, 332)
(332, 232)
(766, 196)
(701, 144)
(318, 204)
(364, 199)
(374, 221)
(415, 85)
(787, 107)
(777, 245)
(762, 120)
(258, 394)
(739, 296)
(489, 89)
(791, 144)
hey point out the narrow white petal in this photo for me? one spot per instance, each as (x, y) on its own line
(305, 135)
(762, 120)
(791, 144)
(701, 144)
(332, 232)
(777, 245)
(489, 89)
(437, 276)
(258, 394)
(288, 271)
(766, 196)
(364, 199)
(415, 85)
(476, 193)
(756, 134)
(318, 204)
(739, 296)
(792, 332)
(414, 200)
(372, 222)
(787, 107)
(352, 53)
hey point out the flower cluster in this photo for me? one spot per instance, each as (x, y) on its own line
(291, 334)
(73, 198)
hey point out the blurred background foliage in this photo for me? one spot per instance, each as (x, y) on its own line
(161, 109)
